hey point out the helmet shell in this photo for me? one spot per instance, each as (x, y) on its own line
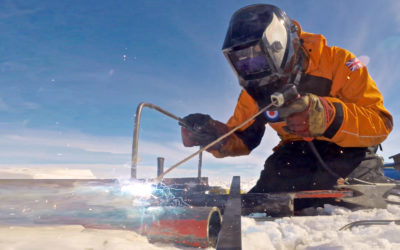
(266, 25)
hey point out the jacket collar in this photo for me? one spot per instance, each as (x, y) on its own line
(313, 44)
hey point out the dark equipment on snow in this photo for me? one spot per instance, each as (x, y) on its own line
(371, 195)
(230, 236)
(396, 159)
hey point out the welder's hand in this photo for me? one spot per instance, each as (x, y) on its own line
(200, 130)
(307, 116)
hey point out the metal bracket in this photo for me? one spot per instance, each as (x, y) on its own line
(396, 159)
(369, 196)
(230, 236)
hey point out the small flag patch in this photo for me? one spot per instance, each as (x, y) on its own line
(354, 64)
(272, 115)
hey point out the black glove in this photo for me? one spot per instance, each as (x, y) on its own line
(200, 129)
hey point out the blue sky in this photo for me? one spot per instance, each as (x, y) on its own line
(73, 72)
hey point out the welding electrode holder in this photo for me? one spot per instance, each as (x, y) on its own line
(287, 94)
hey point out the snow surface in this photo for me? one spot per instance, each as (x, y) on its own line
(322, 232)
(312, 232)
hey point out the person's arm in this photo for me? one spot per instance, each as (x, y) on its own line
(243, 141)
(360, 119)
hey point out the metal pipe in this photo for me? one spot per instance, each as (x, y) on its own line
(199, 166)
(160, 165)
(136, 132)
(190, 226)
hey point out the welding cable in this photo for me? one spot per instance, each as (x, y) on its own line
(331, 172)
(321, 161)
(369, 223)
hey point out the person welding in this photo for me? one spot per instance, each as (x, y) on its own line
(339, 107)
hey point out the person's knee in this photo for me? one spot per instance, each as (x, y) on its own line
(370, 170)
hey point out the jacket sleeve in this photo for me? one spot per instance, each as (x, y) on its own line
(247, 137)
(360, 118)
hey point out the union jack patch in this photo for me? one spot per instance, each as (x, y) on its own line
(354, 64)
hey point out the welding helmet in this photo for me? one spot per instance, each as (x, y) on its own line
(261, 45)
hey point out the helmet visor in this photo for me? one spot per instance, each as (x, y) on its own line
(250, 63)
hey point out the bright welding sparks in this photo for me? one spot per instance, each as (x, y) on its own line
(138, 189)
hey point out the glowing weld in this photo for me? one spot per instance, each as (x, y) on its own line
(145, 193)
(138, 189)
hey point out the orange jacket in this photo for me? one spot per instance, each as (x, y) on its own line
(360, 119)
